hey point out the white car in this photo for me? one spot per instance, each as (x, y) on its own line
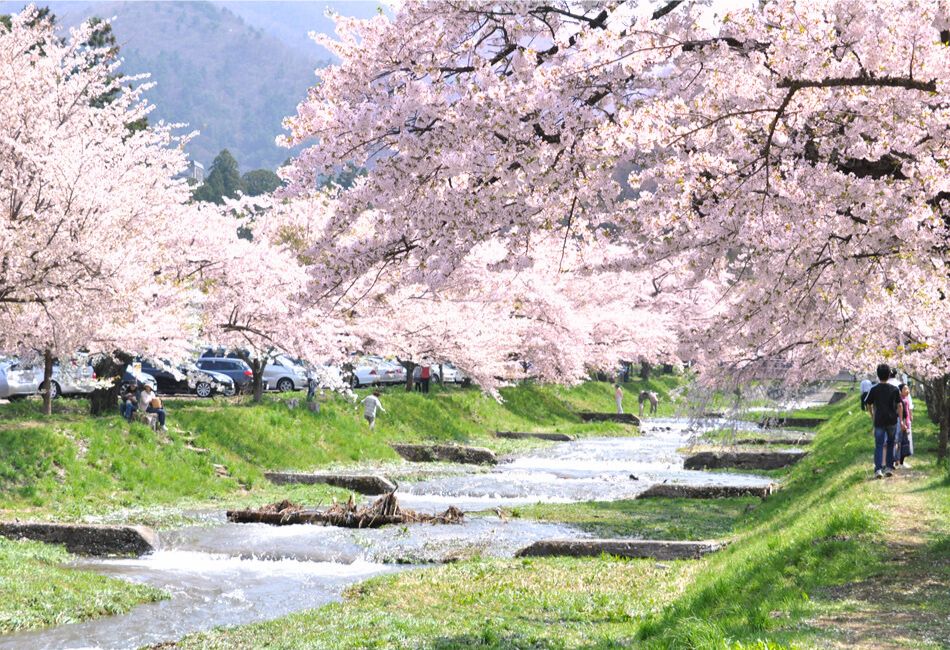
(15, 382)
(283, 374)
(20, 380)
(452, 374)
(374, 371)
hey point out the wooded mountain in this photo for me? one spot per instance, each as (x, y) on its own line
(230, 77)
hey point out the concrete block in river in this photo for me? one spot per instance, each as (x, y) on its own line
(445, 453)
(778, 422)
(629, 548)
(625, 418)
(559, 437)
(362, 483)
(836, 397)
(680, 491)
(786, 438)
(86, 539)
(743, 459)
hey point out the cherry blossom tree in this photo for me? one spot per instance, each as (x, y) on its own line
(792, 152)
(92, 218)
(253, 292)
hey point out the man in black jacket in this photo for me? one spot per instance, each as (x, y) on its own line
(885, 408)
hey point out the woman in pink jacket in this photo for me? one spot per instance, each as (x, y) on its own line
(905, 446)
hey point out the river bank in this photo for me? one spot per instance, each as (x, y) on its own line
(798, 566)
(71, 467)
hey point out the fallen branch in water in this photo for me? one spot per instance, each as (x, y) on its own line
(382, 512)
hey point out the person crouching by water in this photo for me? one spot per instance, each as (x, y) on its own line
(371, 405)
(150, 403)
(905, 444)
(618, 397)
(886, 410)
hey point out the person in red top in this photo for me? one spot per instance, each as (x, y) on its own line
(424, 376)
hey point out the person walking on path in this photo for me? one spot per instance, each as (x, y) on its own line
(905, 445)
(618, 397)
(885, 409)
(371, 405)
(865, 389)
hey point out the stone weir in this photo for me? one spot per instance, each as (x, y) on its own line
(743, 459)
(788, 438)
(624, 418)
(682, 491)
(627, 548)
(557, 437)
(87, 539)
(779, 422)
(363, 483)
(446, 453)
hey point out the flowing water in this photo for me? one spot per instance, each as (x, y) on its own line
(230, 574)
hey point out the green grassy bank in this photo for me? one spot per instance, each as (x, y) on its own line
(71, 466)
(832, 547)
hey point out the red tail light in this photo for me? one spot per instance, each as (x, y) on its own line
(248, 373)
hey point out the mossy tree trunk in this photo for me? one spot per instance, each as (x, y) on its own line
(644, 370)
(937, 394)
(257, 379)
(410, 380)
(103, 401)
(47, 381)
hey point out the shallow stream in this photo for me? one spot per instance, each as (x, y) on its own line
(230, 574)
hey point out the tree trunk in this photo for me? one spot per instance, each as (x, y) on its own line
(441, 375)
(47, 382)
(257, 368)
(410, 380)
(103, 401)
(644, 370)
(937, 395)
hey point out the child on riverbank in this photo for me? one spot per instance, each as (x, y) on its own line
(371, 405)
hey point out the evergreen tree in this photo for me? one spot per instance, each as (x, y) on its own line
(260, 181)
(224, 180)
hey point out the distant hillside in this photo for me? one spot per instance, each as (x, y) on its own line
(232, 81)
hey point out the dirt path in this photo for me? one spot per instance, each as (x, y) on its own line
(908, 607)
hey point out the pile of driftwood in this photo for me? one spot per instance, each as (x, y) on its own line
(385, 510)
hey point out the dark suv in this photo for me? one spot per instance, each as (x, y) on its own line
(236, 369)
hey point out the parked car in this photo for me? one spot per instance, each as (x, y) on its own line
(285, 375)
(187, 379)
(237, 369)
(133, 377)
(452, 374)
(374, 370)
(16, 382)
(27, 379)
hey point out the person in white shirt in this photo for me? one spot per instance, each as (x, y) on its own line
(865, 389)
(371, 405)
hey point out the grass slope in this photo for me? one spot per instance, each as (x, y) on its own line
(691, 519)
(36, 591)
(70, 465)
(798, 558)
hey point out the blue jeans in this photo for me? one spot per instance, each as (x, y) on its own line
(128, 408)
(884, 439)
(159, 412)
